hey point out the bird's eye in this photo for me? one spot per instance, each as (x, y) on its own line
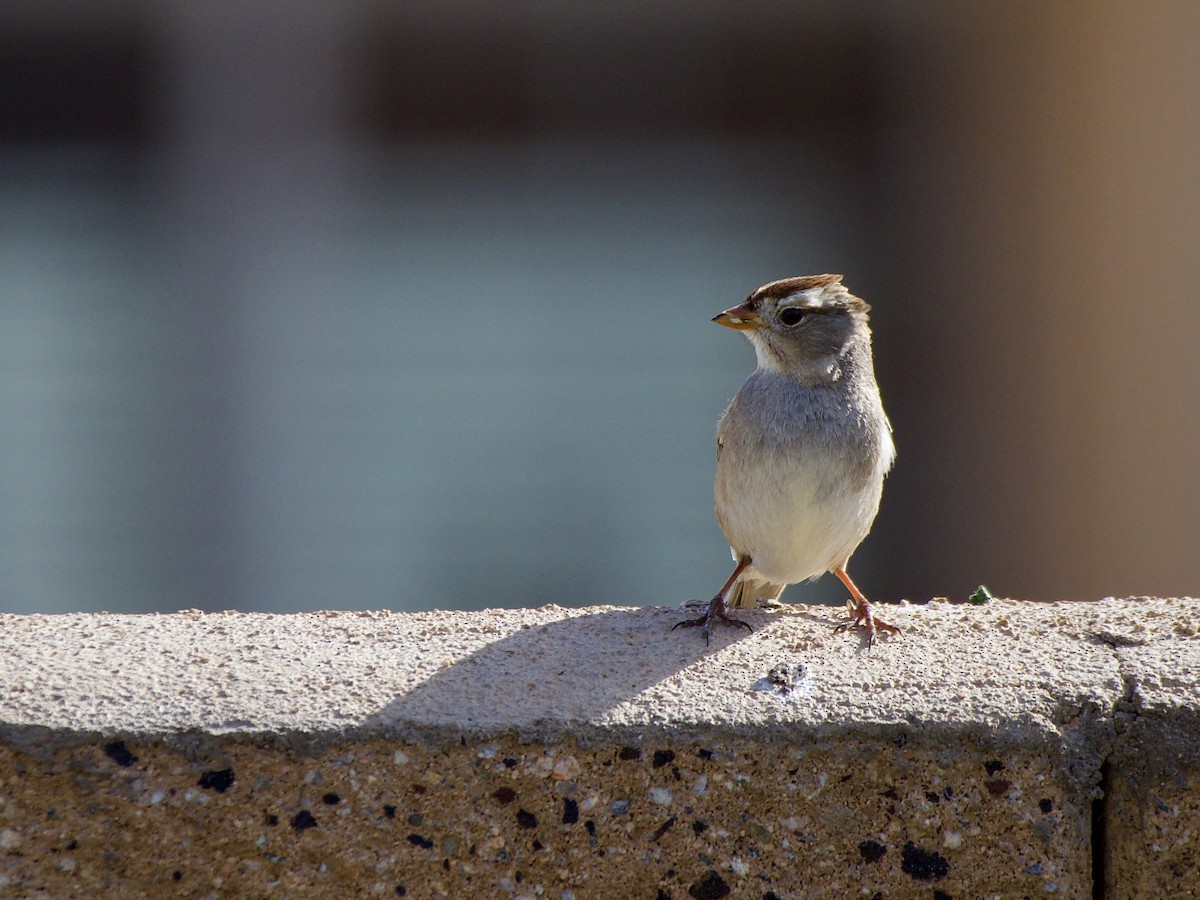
(791, 316)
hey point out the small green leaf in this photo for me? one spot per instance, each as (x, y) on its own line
(980, 596)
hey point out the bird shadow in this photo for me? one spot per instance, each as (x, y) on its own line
(575, 669)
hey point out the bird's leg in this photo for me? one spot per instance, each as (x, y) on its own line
(861, 615)
(717, 607)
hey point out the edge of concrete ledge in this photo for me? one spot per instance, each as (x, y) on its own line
(1009, 670)
(1008, 666)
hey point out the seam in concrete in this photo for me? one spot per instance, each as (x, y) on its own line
(1151, 776)
(1099, 843)
(1100, 806)
(1124, 715)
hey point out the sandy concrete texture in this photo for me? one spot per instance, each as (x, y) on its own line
(1152, 832)
(595, 753)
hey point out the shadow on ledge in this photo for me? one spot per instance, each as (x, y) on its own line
(582, 671)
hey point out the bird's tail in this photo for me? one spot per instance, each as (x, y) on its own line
(749, 591)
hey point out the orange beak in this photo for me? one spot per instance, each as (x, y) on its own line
(739, 318)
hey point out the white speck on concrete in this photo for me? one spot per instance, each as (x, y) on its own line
(822, 778)
(566, 769)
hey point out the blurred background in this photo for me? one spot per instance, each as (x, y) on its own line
(375, 305)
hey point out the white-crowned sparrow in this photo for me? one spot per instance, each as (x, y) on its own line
(802, 449)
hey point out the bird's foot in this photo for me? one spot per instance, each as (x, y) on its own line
(716, 610)
(861, 616)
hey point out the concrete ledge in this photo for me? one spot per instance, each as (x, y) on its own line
(1012, 749)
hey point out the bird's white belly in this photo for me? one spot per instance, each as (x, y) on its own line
(796, 523)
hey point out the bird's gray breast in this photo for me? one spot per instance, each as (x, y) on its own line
(835, 430)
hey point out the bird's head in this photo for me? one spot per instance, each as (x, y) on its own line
(800, 326)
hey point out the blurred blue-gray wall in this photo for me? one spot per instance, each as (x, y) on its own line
(344, 305)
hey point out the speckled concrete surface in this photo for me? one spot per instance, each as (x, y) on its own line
(595, 753)
(1152, 839)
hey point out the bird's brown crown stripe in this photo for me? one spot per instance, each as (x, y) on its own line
(786, 286)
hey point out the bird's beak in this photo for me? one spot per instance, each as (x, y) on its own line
(740, 318)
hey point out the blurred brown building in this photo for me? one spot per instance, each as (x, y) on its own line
(367, 304)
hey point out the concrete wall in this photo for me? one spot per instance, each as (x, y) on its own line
(1011, 749)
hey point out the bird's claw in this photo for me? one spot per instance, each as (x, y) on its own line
(861, 616)
(716, 610)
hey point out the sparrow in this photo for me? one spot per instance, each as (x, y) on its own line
(802, 449)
